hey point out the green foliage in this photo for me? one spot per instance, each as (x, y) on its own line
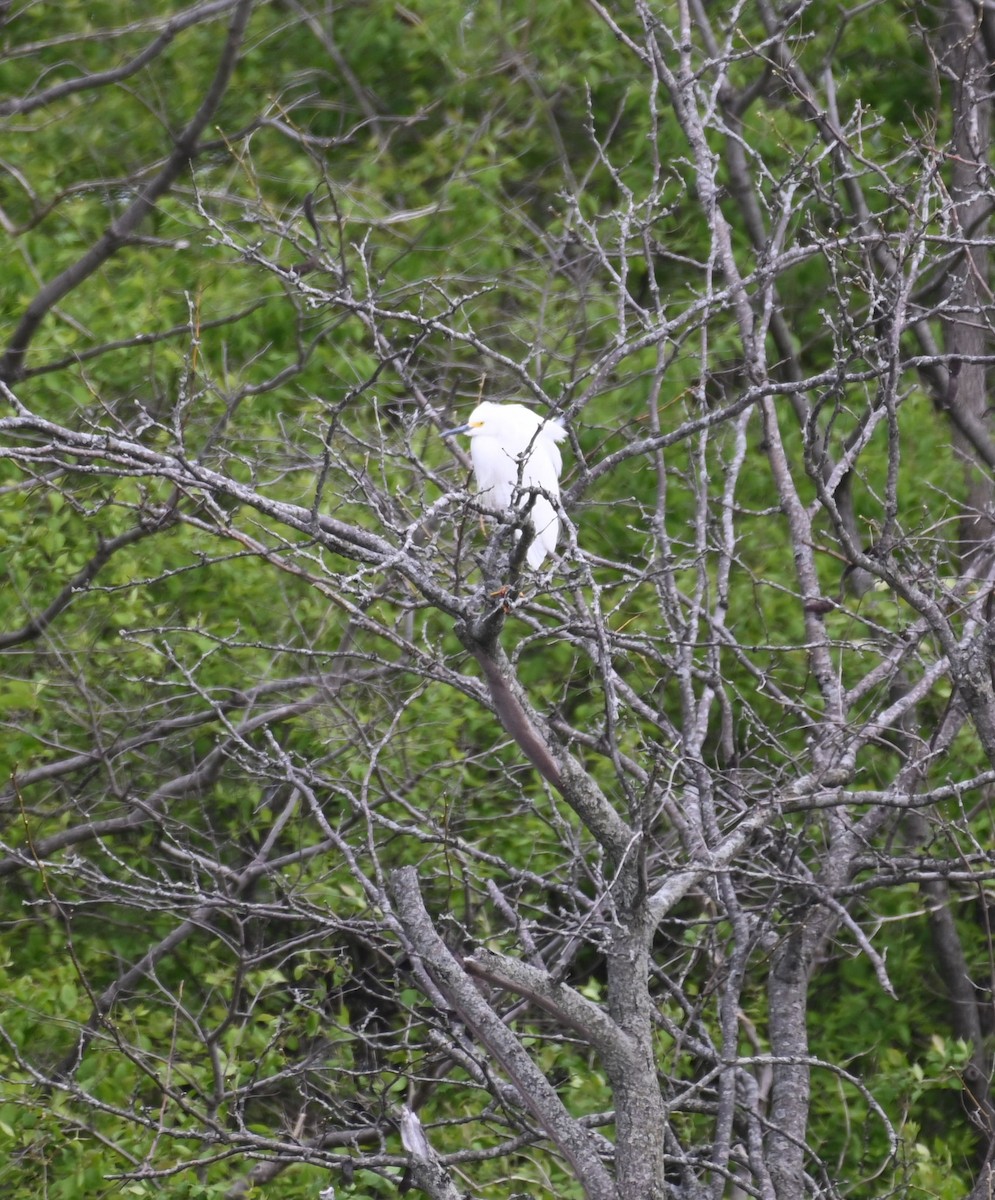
(464, 152)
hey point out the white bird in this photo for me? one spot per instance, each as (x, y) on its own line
(514, 451)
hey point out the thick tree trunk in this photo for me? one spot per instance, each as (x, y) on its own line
(964, 67)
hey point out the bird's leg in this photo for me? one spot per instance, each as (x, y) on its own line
(509, 597)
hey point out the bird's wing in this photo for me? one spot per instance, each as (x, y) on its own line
(546, 524)
(542, 470)
(543, 467)
(494, 471)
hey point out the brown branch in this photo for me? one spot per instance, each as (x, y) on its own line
(12, 362)
(538, 744)
(82, 83)
(191, 784)
(105, 551)
(141, 339)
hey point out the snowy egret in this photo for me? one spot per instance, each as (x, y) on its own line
(515, 459)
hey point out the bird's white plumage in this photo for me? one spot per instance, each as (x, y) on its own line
(514, 450)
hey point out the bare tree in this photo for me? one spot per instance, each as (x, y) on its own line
(370, 851)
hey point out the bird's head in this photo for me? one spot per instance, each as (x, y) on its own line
(513, 426)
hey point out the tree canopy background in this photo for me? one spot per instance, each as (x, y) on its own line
(343, 854)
